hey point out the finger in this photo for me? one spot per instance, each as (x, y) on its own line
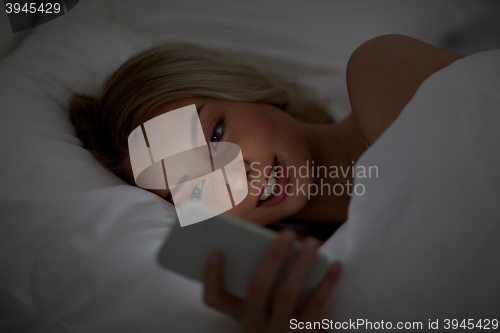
(287, 295)
(259, 291)
(313, 307)
(214, 294)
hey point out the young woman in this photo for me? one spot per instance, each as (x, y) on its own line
(276, 126)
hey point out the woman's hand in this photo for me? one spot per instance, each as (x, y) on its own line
(263, 312)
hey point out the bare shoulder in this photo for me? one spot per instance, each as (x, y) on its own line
(384, 73)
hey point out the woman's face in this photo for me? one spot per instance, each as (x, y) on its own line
(268, 137)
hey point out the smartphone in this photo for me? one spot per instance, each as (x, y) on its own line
(244, 245)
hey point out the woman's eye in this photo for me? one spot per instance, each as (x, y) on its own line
(216, 136)
(196, 194)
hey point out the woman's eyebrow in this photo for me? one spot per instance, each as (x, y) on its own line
(195, 120)
(198, 108)
(194, 137)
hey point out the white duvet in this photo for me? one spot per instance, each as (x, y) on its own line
(424, 241)
(78, 246)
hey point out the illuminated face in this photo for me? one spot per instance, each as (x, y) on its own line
(271, 142)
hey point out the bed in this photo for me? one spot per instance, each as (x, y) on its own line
(78, 245)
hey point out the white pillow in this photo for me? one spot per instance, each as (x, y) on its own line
(77, 245)
(422, 243)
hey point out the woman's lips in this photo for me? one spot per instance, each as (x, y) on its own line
(282, 181)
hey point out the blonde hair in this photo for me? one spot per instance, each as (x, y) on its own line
(171, 72)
